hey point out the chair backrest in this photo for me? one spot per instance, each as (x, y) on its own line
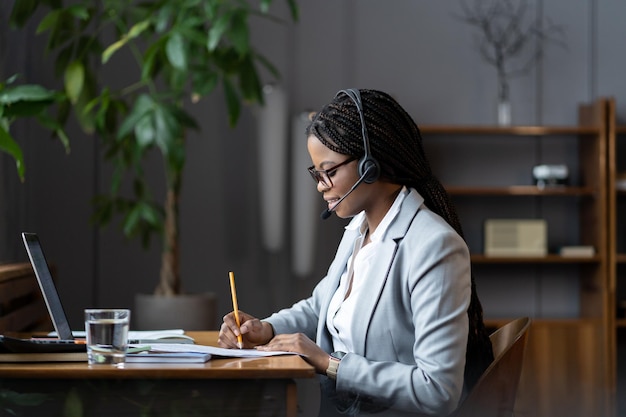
(494, 393)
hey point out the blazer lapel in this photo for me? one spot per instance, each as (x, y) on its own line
(375, 282)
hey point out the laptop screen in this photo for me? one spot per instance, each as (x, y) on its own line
(46, 284)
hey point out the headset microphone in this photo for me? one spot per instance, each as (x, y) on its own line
(327, 212)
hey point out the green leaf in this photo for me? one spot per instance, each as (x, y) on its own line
(232, 102)
(74, 80)
(61, 32)
(26, 92)
(62, 60)
(167, 128)
(239, 33)
(22, 11)
(87, 94)
(268, 66)
(142, 106)
(10, 146)
(111, 49)
(217, 30)
(175, 50)
(145, 131)
(151, 60)
(138, 28)
(204, 83)
(265, 5)
(162, 19)
(80, 12)
(249, 81)
(293, 7)
(49, 21)
(25, 109)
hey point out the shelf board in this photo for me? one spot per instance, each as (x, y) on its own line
(479, 258)
(620, 258)
(521, 190)
(620, 323)
(495, 322)
(509, 130)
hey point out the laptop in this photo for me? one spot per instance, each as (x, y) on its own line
(65, 340)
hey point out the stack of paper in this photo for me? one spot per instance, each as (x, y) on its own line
(190, 353)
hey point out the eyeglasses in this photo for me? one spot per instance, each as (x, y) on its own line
(323, 175)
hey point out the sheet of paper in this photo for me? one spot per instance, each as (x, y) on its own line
(134, 334)
(215, 351)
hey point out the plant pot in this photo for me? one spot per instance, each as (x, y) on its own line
(185, 311)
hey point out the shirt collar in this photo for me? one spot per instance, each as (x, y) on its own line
(360, 223)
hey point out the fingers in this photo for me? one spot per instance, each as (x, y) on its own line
(229, 331)
(227, 338)
(251, 330)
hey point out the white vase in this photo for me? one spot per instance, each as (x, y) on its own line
(504, 113)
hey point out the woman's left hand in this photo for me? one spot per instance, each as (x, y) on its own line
(299, 343)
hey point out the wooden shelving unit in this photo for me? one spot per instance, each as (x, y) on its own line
(616, 164)
(565, 370)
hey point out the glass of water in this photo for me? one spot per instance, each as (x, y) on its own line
(107, 335)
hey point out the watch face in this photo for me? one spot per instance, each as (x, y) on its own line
(338, 355)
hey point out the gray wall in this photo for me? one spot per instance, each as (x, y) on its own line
(414, 49)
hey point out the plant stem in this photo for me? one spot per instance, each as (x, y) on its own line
(169, 283)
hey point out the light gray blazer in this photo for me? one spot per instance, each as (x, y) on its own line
(411, 326)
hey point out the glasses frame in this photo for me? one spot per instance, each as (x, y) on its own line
(323, 175)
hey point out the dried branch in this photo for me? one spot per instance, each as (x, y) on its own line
(503, 34)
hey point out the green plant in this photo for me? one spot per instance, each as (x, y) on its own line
(182, 50)
(26, 101)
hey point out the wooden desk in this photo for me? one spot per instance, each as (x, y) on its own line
(230, 386)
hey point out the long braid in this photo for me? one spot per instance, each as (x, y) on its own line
(396, 143)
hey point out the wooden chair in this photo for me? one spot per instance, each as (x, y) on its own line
(494, 393)
(22, 307)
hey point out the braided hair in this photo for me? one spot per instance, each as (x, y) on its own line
(396, 143)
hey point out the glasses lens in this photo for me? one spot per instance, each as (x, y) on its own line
(320, 176)
(323, 176)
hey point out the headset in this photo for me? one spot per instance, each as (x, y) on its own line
(369, 170)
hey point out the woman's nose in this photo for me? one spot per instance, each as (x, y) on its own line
(321, 186)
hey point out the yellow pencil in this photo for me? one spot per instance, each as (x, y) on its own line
(233, 292)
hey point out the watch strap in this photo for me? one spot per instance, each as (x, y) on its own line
(333, 364)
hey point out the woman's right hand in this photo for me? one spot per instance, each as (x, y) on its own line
(253, 331)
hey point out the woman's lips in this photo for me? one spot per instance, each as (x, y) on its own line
(331, 202)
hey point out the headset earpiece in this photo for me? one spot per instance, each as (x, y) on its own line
(368, 166)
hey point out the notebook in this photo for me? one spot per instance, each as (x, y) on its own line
(63, 339)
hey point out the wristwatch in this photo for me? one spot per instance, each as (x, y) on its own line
(333, 364)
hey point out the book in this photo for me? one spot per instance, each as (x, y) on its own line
(577, 251)
(168, 357)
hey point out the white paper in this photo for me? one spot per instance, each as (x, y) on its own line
(215, 351)
(134, 334)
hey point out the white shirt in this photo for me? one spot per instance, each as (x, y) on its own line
(341, 308)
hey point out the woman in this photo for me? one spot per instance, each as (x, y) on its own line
(395, 326)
